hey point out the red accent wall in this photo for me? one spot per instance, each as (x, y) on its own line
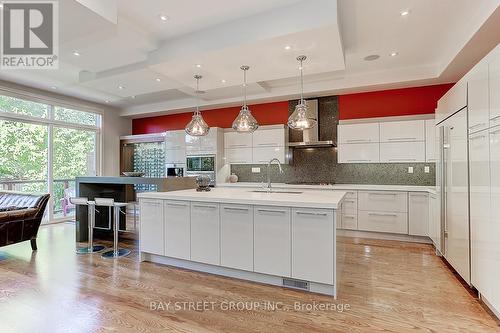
(395, 102)
(266, 114)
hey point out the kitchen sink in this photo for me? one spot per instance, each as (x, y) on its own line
(276, 191)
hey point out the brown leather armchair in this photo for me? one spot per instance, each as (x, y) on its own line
(20, 216)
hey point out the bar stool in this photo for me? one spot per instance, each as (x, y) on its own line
(91, 248)
(116, 252)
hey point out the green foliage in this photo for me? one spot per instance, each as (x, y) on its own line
(15, 105)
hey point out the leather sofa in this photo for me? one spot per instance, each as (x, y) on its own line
(20, 216)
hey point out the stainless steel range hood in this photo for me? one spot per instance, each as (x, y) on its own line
(309, 138)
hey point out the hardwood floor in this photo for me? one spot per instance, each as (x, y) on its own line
(383, 285)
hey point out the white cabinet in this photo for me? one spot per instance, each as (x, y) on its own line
(359, 153)
(418, 214)
(236, 229)
(402, 152)
(478, 101)
(208, 144)
(205, 233)
(272, 246)
(262, 155)
(175, 140)
(384, 201)
(313, 253)
(274, 137)
(430, 141)
(175, 156)
(494, 87)
(397, 131)
(151, 236)
(239, 155)
(358, 133)
(493, 249)
(435, 220)
(383, 211)
(177, 229)
(479, 182)
(454, 100)
(349, 221)
(350, 211)
(233, 140)
(392, 222)
(192, 144)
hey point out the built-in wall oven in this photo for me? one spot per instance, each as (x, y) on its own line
(201, 165)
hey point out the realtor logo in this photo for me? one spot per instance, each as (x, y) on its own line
(30, 35)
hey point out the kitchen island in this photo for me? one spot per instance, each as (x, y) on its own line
(284, 238)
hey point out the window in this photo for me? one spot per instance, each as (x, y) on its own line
(44, 147)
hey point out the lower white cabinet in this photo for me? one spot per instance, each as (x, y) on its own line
(238, 155)
(418, 214)
(359, 153)
(205, 233)
(262, 155)
(151, 235)
(383, 201)
(272, 247)
(349, 221)
(350, 211)
(435, 220)
(402, 152)
(177, 219)
(236, 229)
(392, 222)
(313, 253)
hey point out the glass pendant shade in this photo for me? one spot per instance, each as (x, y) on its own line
(245, 122)
(300, 119)
(197, 126)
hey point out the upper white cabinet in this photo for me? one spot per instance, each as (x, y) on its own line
(235, 140)
(494, 89)
(358, 133)
(272, 137)
(359, 153)
(397, 131)
(418, 214)
(430, 140)
(239, 155)
(175, 140)
(478, 101)
(454, 100)
(212, 143)
(402, 152)
(265, 154)
(175, 156)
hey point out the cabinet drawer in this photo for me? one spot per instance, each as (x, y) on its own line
(358, 133)
(383, 222)
(402, 152)
(350, 221)
(350, 206)
(383, 201)
(359, 153)
(239, 155)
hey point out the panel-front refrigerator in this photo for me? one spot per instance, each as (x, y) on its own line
(452, 235)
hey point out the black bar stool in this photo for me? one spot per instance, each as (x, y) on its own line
(117, 206)
(91, 248)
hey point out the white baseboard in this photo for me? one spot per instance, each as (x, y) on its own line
(383, 236)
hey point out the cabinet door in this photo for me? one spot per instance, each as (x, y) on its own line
(397, 131)
(175, 156)
(175, 139)
(454, 100)
(208, 143)
(233, 140)
(402, 152)
(262, 155)
(236, 244)
(493, 249)
(239, 155)
(272, 246)
(358, 133)
(205, 231)
(151, 235)
(392, 222)
(435, 221)
(430, 140)
(350, 221)
(478, 101)
(178, 229)
(418, 214)
(479, 182)
(269, 137)
(192, 144)
(359, 153)
(313, 252)
(494, 78)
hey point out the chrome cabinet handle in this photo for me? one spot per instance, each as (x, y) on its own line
(358, 160)
(203, 206)
(402, 159)
(238, 145)
(399, 139)
(353, 201)
(477, 137)
(495, 117)
(372, 193)
(236, 209)
(311, 214)
(176, 204)
(267, 144)
(477, 125)
(358, 140)
(383, 214)
(271, 211)
(349, 216)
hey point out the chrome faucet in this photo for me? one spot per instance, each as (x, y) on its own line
(269, 171)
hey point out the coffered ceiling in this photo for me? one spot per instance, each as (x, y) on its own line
(140, 56)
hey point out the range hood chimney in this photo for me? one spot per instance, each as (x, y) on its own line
(310, 138)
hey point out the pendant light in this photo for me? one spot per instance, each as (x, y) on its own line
(245, 122)
(300, 119)
(197, 126)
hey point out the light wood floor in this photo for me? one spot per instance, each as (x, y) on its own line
(389, 287)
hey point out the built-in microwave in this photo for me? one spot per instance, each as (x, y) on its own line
(201, 165)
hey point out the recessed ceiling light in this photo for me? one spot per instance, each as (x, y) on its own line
(53, 87)
(164, 18)
(121, 87)
(288, 47)
(405, 13)
(223, 81)
(393, 54)
(372, 57)
(158, 79)
(106, 101)
(198, 66)
(76, 53)
(1, 5)
(133, 96)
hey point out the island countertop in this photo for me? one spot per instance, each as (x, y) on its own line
(304, 199)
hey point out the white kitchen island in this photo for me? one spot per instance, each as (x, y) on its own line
(284, 239)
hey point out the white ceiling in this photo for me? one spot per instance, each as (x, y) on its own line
(154, 60)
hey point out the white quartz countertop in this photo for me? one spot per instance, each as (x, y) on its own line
(356, 187)
(245, 195)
